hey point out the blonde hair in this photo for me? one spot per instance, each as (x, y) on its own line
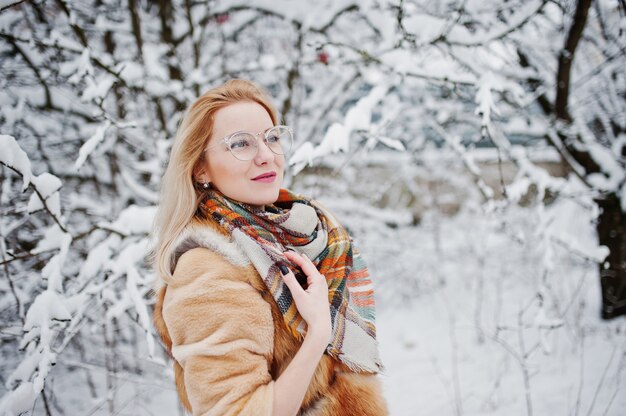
(179, 196)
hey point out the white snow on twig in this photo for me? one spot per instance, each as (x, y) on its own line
(53, 238)
(337, 137)
(462, 36)
(99, 256)
(45, 312)
(12, 114)
(53, 269)
(78, 68)
(137, 188)
(97, 90)
(14, 157)
(88, 147)
(484, 98)
(19, 400)
(133, 220)
(132, 282)
(47, 186)
(47, 306)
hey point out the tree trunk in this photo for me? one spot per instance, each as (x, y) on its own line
(611, 226)
(612, 233)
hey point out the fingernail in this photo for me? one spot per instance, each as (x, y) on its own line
(304, 255)
(283, 269)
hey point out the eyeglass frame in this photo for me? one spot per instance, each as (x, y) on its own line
(226, 141)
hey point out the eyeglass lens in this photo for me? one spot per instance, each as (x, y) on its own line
(244, 146)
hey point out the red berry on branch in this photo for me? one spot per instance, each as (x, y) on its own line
(323, 57)
(221, 18)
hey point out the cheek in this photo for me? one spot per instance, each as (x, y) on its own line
(281, 162)
(223, 170)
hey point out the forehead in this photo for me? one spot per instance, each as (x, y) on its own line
(242, 116)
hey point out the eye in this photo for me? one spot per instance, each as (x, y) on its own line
(241, 142)
(273, 138)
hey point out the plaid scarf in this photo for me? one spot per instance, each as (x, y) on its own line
(294, 222)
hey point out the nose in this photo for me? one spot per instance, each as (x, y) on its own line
(263, 154)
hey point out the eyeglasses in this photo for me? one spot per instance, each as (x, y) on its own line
(244, 145)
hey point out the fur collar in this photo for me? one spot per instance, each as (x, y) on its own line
(205, 233)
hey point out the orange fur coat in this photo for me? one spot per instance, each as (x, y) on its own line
(229, 341)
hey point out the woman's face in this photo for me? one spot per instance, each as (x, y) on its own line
(236, 178)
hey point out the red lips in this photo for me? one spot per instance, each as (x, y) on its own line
(266, 175)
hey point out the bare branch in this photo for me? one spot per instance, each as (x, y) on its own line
(8, 6)
(567, 56)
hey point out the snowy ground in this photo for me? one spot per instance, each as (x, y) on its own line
(442, 349)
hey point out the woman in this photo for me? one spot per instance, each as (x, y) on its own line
(249, 336)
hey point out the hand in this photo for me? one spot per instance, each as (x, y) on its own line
(312, 303)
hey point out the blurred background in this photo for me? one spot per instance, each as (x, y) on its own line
(476, 151)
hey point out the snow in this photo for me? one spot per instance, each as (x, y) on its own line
(46, 307)
(302, 157)
(97, 90)
(133, 220)
(132, 73)
(152, 55)
(90, 145)
(484, 98)
(12, 114)
(52, 271)
(317, 15)
(47, 186)
(434, 67)
(158, 88)
(137, 189)
(268, 62)
(569, 231)
(54, 238)
(337, 137)
(425, 27)
(19, 400)
(98, 257)
(8, 3)
(14, 157)
(442, 348)
(78, 68)
(392, 143)
(464, 38)
(132, 282)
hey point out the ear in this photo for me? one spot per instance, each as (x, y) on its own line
(200, 172)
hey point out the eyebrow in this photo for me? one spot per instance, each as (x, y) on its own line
(248, 131)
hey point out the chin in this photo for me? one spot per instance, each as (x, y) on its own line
(270, 199)
(261, 198)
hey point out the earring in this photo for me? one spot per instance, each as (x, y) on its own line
(205, 185)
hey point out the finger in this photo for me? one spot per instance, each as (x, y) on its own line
(290, 280)
(303, 262)
(317, 272)
(321, 282)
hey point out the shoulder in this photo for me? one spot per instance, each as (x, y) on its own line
(205, 233)
(210, 303)
(201, 266)
(203, 284)
(205, 253)
(203, 274)
(197, 262)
